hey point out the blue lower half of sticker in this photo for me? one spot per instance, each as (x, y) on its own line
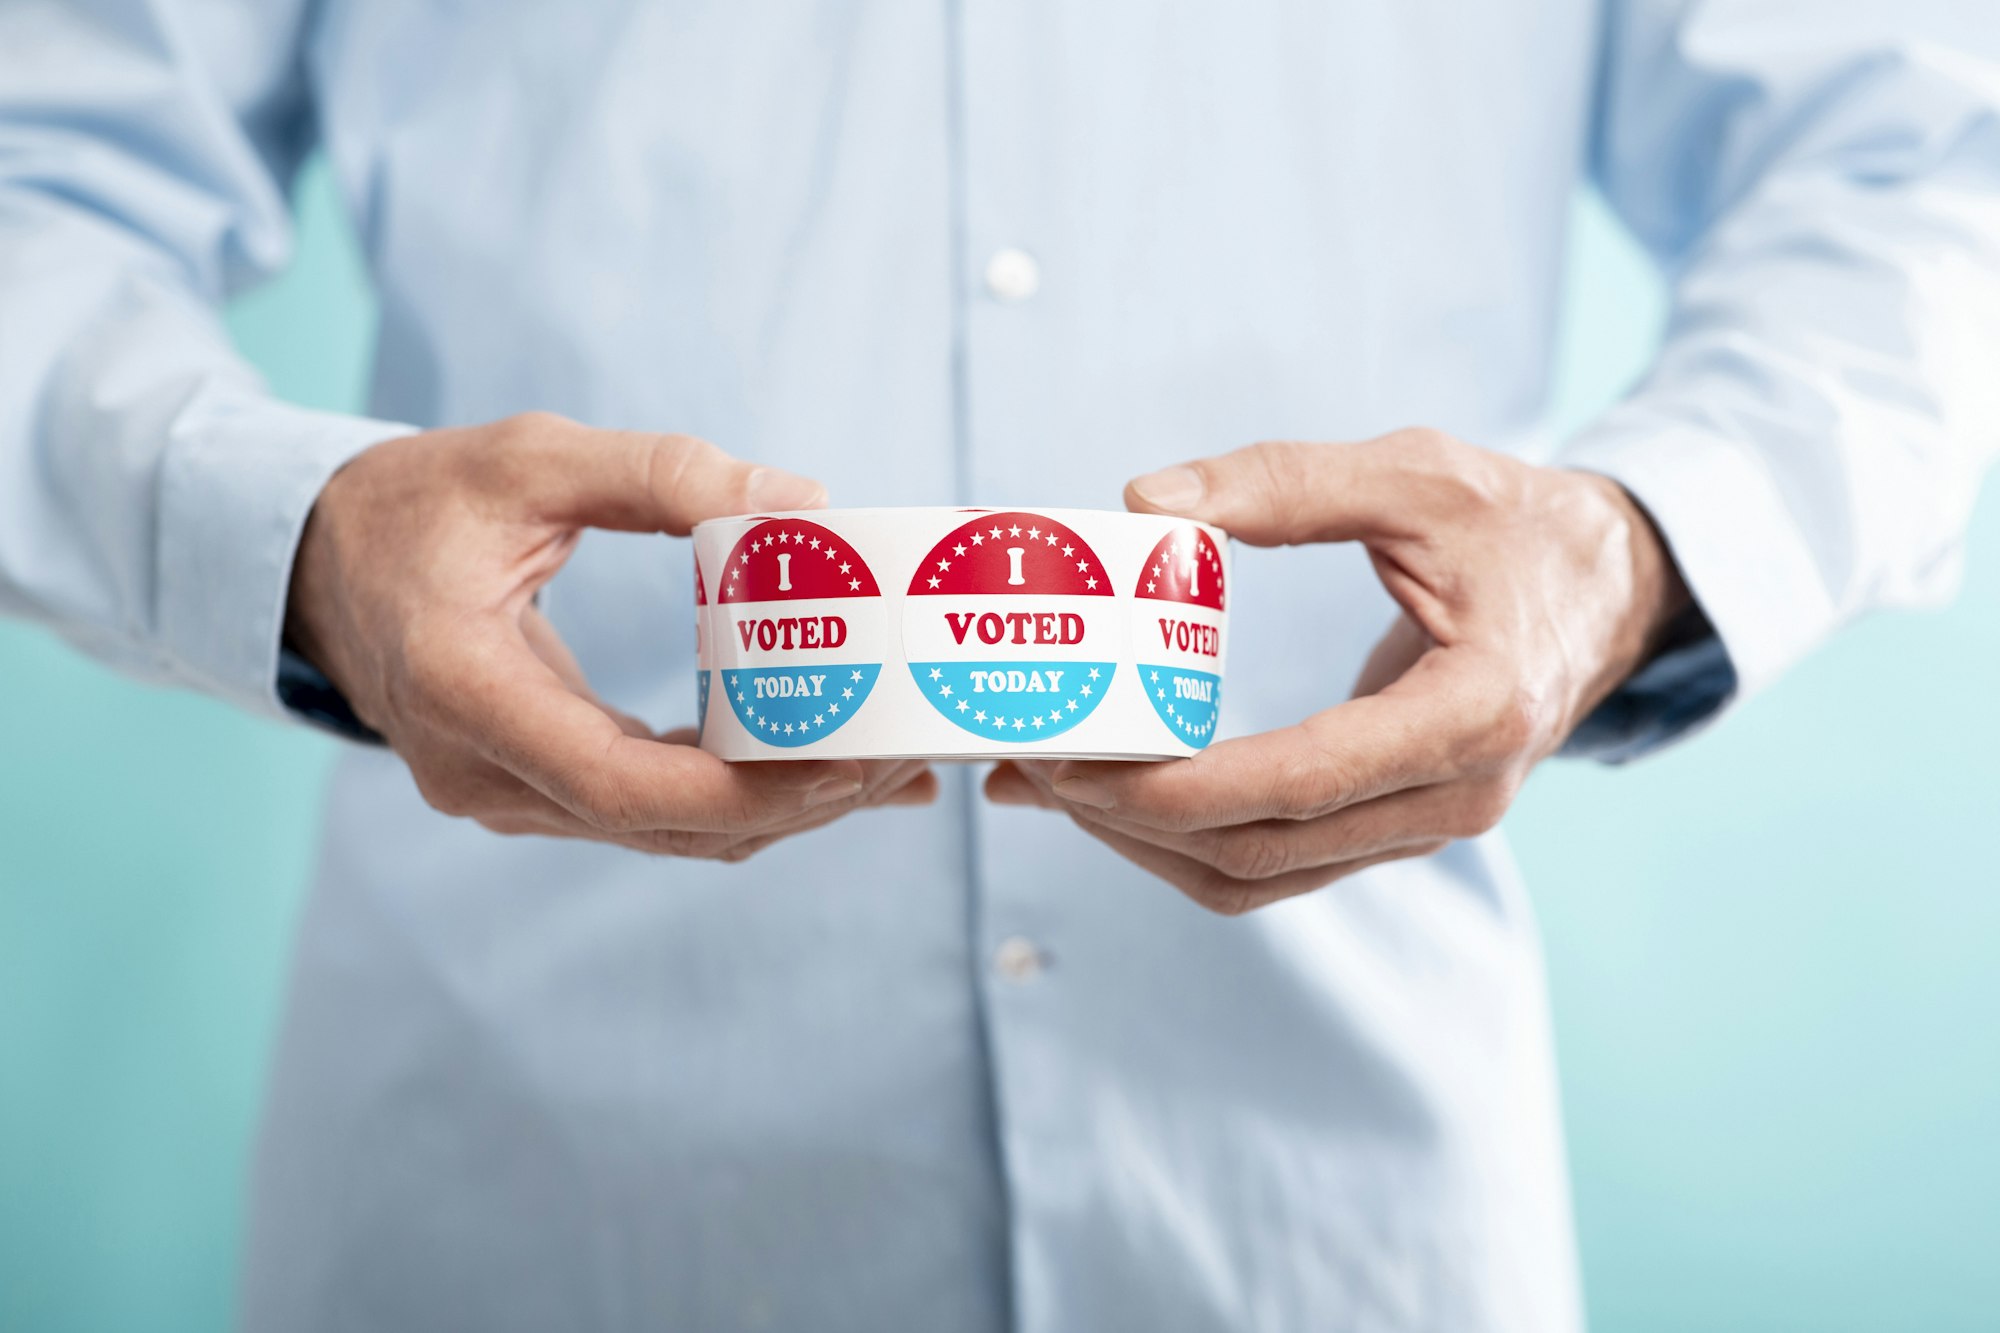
(1015, 701)
(793, 706)
(1185, 700)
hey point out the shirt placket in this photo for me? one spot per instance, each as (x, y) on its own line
(1009, 299)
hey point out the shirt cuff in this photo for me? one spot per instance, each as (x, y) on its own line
(240, 475)
(1731, 531)
(307, 694)
(1668, 699)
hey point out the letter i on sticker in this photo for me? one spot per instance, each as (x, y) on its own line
(1177, 630)
(799, 637)
(1009, 627)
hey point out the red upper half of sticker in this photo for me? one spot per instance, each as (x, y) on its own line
(783, 560)
(1009, 553)
(700, 592)
(1185, 566)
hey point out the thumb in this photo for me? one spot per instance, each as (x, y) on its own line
(1281, 494)
(639, 482)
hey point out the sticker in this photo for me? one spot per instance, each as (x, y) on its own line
(1177, 625)
(798, 629)
(1010, 627)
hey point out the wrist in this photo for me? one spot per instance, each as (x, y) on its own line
(309, 683)
(314, 629)
(306, 595)
(1658, 604)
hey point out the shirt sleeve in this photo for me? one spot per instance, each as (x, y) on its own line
(1822, 182)
(151, 491)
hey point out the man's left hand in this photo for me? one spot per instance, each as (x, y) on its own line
(1528, 594)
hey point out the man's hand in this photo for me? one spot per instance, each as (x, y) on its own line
(414, 592)
(1528, 595)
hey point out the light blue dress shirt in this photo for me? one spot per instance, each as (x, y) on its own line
(962, 1068)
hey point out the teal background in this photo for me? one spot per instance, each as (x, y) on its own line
(1771, 949)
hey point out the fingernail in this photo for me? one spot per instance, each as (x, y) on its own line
(775, 488)
(833, 789)
(1175, 489)
(1085, 792)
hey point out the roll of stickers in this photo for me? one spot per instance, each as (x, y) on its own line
(959, 634)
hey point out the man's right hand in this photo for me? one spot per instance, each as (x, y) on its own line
(414, 592)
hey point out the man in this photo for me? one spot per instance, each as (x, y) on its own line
(963, 1065)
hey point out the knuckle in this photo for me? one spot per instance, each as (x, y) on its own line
(613, 814)
(683, 450)
(1465, 477)
(693, 846)
(1167, 816)
(1513, 725)
(531, 426)
(445, 794)
(1170, 800)
(430, 657)
(758, 810)
(1222, 895)
(605, 806)
(1488, 483)
(671, 461)
(520, 450)
(1250, 854)
(1286, 467)
(1279, 460)
(522, 440)
(749, 804)
(505, 826)
(1312, 782)
(1428, 453)
(1427, 444)
(1518, 716)
(1483, 810)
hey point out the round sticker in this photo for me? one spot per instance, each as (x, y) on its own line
(798, 631)
(1009, 627)
(1177, 632)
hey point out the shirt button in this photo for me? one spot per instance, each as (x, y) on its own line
(1013, 275)
(1017, 959)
